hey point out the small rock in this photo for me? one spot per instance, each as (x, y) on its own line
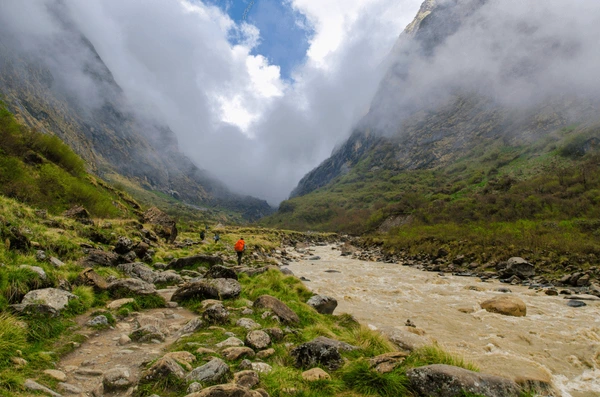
(576, 303)
(124, 339)
(194, 387)
(263, 368)
(35, 269)
(265, 353)
(18, 361)
(248, 323)
(235, 353)
(69, 388)
(213, 371)
(216, 314)
(58, 375)
(280, 309)
(40, 255)
(34, 386)
(246, 378)
(230, 342)
(551, 292)
(56, 262)
(117, 379)
(322, 304)
(258, 339)
(146, 334)
(162, 368)
(315, 374)
(98, 321)
(116, 304)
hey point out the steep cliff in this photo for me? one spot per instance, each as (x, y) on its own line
(61, 86)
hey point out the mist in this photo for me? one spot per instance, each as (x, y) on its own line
(236, 117)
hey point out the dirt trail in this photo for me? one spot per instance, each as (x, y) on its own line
(554, 342)
(102, 351)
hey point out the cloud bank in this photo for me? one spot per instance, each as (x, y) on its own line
(232, 112)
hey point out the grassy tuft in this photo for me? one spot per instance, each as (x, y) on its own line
(13, 337)
(433, 354)
(360, 377)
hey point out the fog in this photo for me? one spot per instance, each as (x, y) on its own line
(236, 117)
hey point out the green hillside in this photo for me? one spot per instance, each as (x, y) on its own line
(543, 195)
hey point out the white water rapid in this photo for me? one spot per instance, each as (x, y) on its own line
(552, 343)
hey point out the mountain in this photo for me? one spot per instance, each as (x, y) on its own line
(61, 86)
(470, 112)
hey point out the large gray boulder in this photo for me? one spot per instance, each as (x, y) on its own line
(100, 258)
(322, 304)
(219, 288)
(57, 299)
(280, 309)
(319, 352)
(218, 271)
(516, 266)
(165, 366)
(90, 278)
(127, 287)
(213, 371)
(195, 260)
(138, 270)
(441, 380)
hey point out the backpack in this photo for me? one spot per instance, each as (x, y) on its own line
(239, 246)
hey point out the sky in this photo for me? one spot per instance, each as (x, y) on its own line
(257, 92)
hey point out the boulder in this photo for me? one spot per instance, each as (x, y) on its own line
(516, 266)
(219, 288)
(317, 353)
(213, 371)
(235, 353)
(92, 279)
(218, 271)
(447, 381)
(248, 323)
(167, 278)
(162, 368)
(100, 258)
(405, 340)
(118, 378)
(231, 341)
(258, 339)
(195, 260)
(184, 358)
(215, 313)
(246, 378)
(228, 390)
(126, 287)
(147, 334)
(315, 374)
(55, 298)
(322, 304)
(164, 225)
(123, 245)
(506, 305)
(280, 309)
(191, 326)
(77, 212)
(36, 387)
(139, 270)
(56, 262)
(141, 249)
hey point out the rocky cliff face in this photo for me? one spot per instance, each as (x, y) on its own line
(87, 109)
(422, 121)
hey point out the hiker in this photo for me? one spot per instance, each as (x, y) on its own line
(216, 237)
(239, 248)
(202, 235)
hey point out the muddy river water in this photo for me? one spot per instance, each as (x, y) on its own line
(553, 342)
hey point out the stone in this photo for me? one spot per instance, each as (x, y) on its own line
(265, 353)
(275, 333)
(576, 303)
(69, 388)
(218, 271)
(286, 271)
(163, 367)
(191, 326)
(322, 304)
(387, 362)
(58, 375)
(258, 339)
(118, 378)
(34, 386)
(117, 304)
(100, 258)
(247, 323)
(40, 255)
(441, 380)
(246, 378)
(194, 387)
(583, 281)
(405, 340)
(141, 249)
(126, 287)
(204, 350)
(18, 361)
(551, 292)
(147, 334)
(90, 278)
(219, 288)
(164, 225)
(516, 266)
(56, 262)
(213, 371)
(216, 313)
(315, 374)
(98, 321)
(313, 353)
(77, 212)
(194, 261)
(505, 305)
(235, 353)
(139, 270)
(280, 309)
(184, 358)
(262, 368)
(230, 342)
(228, 390)
(37, 270)
(55, 298)
(124, 339)
(123, 245)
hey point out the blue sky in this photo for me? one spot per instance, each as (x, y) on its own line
(284, 33)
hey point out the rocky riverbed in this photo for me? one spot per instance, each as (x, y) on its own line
(554, 342)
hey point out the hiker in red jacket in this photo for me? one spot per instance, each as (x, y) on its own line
(239, 249)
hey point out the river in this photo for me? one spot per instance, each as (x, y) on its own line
(552, 343)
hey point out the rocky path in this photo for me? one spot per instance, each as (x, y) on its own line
(554, 342)
(112, 357)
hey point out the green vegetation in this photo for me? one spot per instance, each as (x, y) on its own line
(497, 201)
